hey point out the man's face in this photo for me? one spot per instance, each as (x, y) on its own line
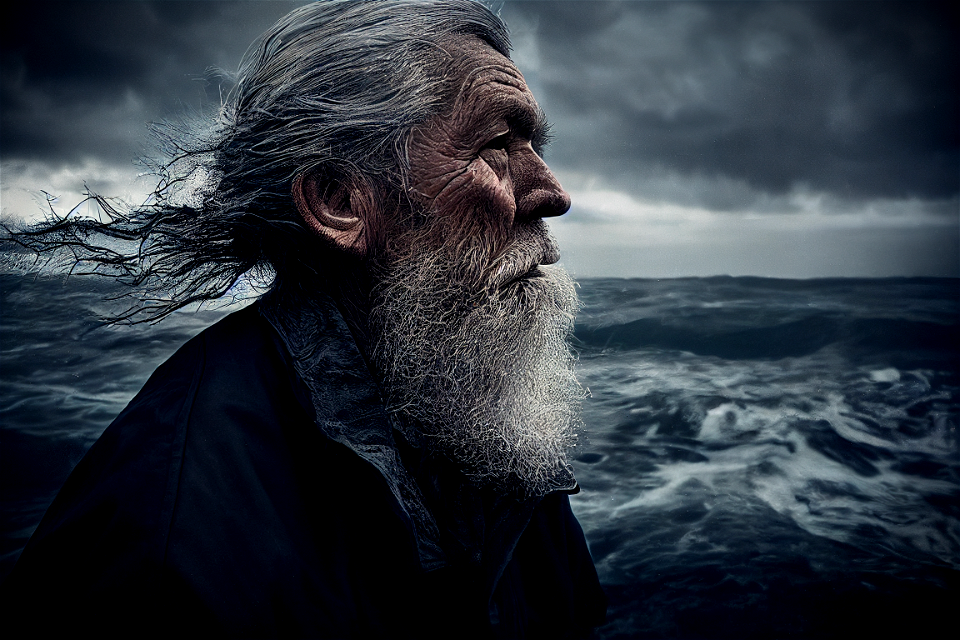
(476, 172)
(471, 324)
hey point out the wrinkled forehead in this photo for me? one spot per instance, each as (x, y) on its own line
(481, 78)
(470, 64)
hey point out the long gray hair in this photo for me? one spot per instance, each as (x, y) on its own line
(334, 86)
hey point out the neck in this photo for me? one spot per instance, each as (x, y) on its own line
(351, 293)
(348, 282)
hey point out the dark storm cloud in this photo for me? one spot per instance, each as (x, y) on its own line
(82, 79)
(713, 103)
(858, 99)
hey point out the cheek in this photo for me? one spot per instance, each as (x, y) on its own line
(477, 196)
(466, 191)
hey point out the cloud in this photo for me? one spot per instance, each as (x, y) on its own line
(777, 138)
(793, 139)
(609, 232)
(85, 78)
(26, 186)
(856, 99)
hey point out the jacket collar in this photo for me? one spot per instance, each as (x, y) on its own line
(476, 527)
(346, 400)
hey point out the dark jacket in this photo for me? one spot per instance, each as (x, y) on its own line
(214, 504)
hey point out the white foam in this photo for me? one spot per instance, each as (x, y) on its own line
(885, 375)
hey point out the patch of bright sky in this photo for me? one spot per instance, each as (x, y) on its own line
(23, 183)
(612, 233)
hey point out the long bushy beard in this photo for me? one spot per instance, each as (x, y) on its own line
(481, 362)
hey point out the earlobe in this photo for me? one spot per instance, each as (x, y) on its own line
(333, 209)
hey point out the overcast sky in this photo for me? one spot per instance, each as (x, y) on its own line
(789, 139)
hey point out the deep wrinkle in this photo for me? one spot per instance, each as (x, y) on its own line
(477, 169)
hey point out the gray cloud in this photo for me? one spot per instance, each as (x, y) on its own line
(834, 111)
(858, 99)
(82, 79)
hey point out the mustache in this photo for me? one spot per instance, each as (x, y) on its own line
(533, 247)
(481, 263)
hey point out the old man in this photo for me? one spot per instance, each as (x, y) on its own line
(378, 446)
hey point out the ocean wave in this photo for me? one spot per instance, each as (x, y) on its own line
(758, 452)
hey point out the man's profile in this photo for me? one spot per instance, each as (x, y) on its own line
(378, 446)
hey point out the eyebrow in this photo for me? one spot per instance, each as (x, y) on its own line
(541, 136)
(531, 123)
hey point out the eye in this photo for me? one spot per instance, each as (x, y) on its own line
(499, 143)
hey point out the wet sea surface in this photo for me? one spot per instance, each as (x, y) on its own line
(764, 458)
(772, 458)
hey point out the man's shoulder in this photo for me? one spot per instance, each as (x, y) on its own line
(239, 335)
(231, 376)
(237, 339)
(239, 355)
(217, 454)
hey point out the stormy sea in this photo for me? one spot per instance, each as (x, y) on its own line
(763, 458)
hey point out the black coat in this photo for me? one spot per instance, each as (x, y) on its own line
(213, 505)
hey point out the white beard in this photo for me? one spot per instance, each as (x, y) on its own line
(485, 371)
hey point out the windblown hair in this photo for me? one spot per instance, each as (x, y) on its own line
(335, 86)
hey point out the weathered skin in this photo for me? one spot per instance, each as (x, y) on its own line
(477, 187)
(476, 169)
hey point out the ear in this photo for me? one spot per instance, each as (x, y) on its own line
(335, 210)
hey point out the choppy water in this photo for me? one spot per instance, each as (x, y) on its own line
(766, 458)
(772, 458)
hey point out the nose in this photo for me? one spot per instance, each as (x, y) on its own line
(539, 192)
